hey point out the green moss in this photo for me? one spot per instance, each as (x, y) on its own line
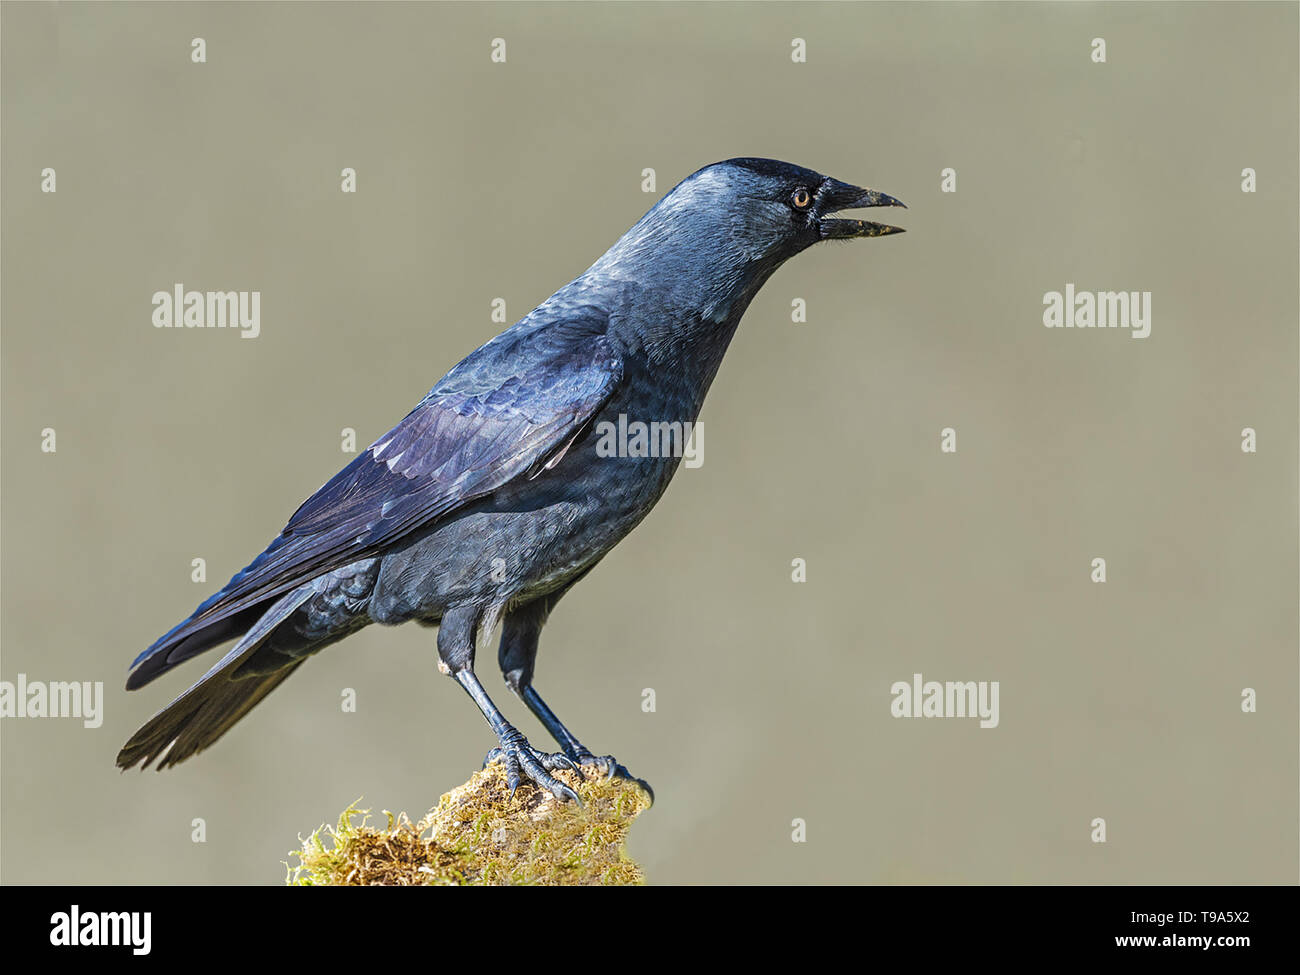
(480, 834)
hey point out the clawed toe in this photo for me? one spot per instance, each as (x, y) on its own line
(609, 767)
(522, 761)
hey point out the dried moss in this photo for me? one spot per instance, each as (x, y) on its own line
(480, 834)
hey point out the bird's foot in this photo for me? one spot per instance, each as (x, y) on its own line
(608, 766)
(523, 761)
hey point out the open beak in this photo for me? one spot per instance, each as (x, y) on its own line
(834, 196)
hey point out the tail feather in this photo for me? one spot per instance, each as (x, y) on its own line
(218, 618)
(211, 707)
(182, 642)
(196, 719)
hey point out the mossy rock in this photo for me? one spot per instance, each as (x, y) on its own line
(480, 834)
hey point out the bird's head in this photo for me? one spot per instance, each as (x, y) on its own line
(776, 209)
(723, 230)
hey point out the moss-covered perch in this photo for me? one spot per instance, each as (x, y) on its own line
(480, 834)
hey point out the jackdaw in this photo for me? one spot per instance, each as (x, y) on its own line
(492, 497)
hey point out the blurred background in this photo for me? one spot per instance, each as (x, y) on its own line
(479, 180)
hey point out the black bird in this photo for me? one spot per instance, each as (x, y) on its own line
(492, 497)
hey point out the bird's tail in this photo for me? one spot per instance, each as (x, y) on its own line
(222, 616)
(211, 707)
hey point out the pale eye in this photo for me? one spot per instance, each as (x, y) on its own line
(801, 198)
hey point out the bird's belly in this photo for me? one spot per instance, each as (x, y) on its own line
(525, 542)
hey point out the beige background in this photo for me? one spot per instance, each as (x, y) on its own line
(479, 180)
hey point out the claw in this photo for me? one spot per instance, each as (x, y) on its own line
(521, 760)
(554, 760)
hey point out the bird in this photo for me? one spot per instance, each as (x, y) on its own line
(491, 499)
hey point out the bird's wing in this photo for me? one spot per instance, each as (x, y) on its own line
(467, 438)
(510, 409)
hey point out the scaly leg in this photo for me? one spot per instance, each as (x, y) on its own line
(518, 656)
(456, 651)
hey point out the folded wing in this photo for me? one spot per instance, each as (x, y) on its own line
(507, 411)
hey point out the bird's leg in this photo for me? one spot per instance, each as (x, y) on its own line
(520, 758)
(568, 743)
(574, 749)
(518, 656)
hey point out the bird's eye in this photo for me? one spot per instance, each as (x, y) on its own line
(801, 198)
